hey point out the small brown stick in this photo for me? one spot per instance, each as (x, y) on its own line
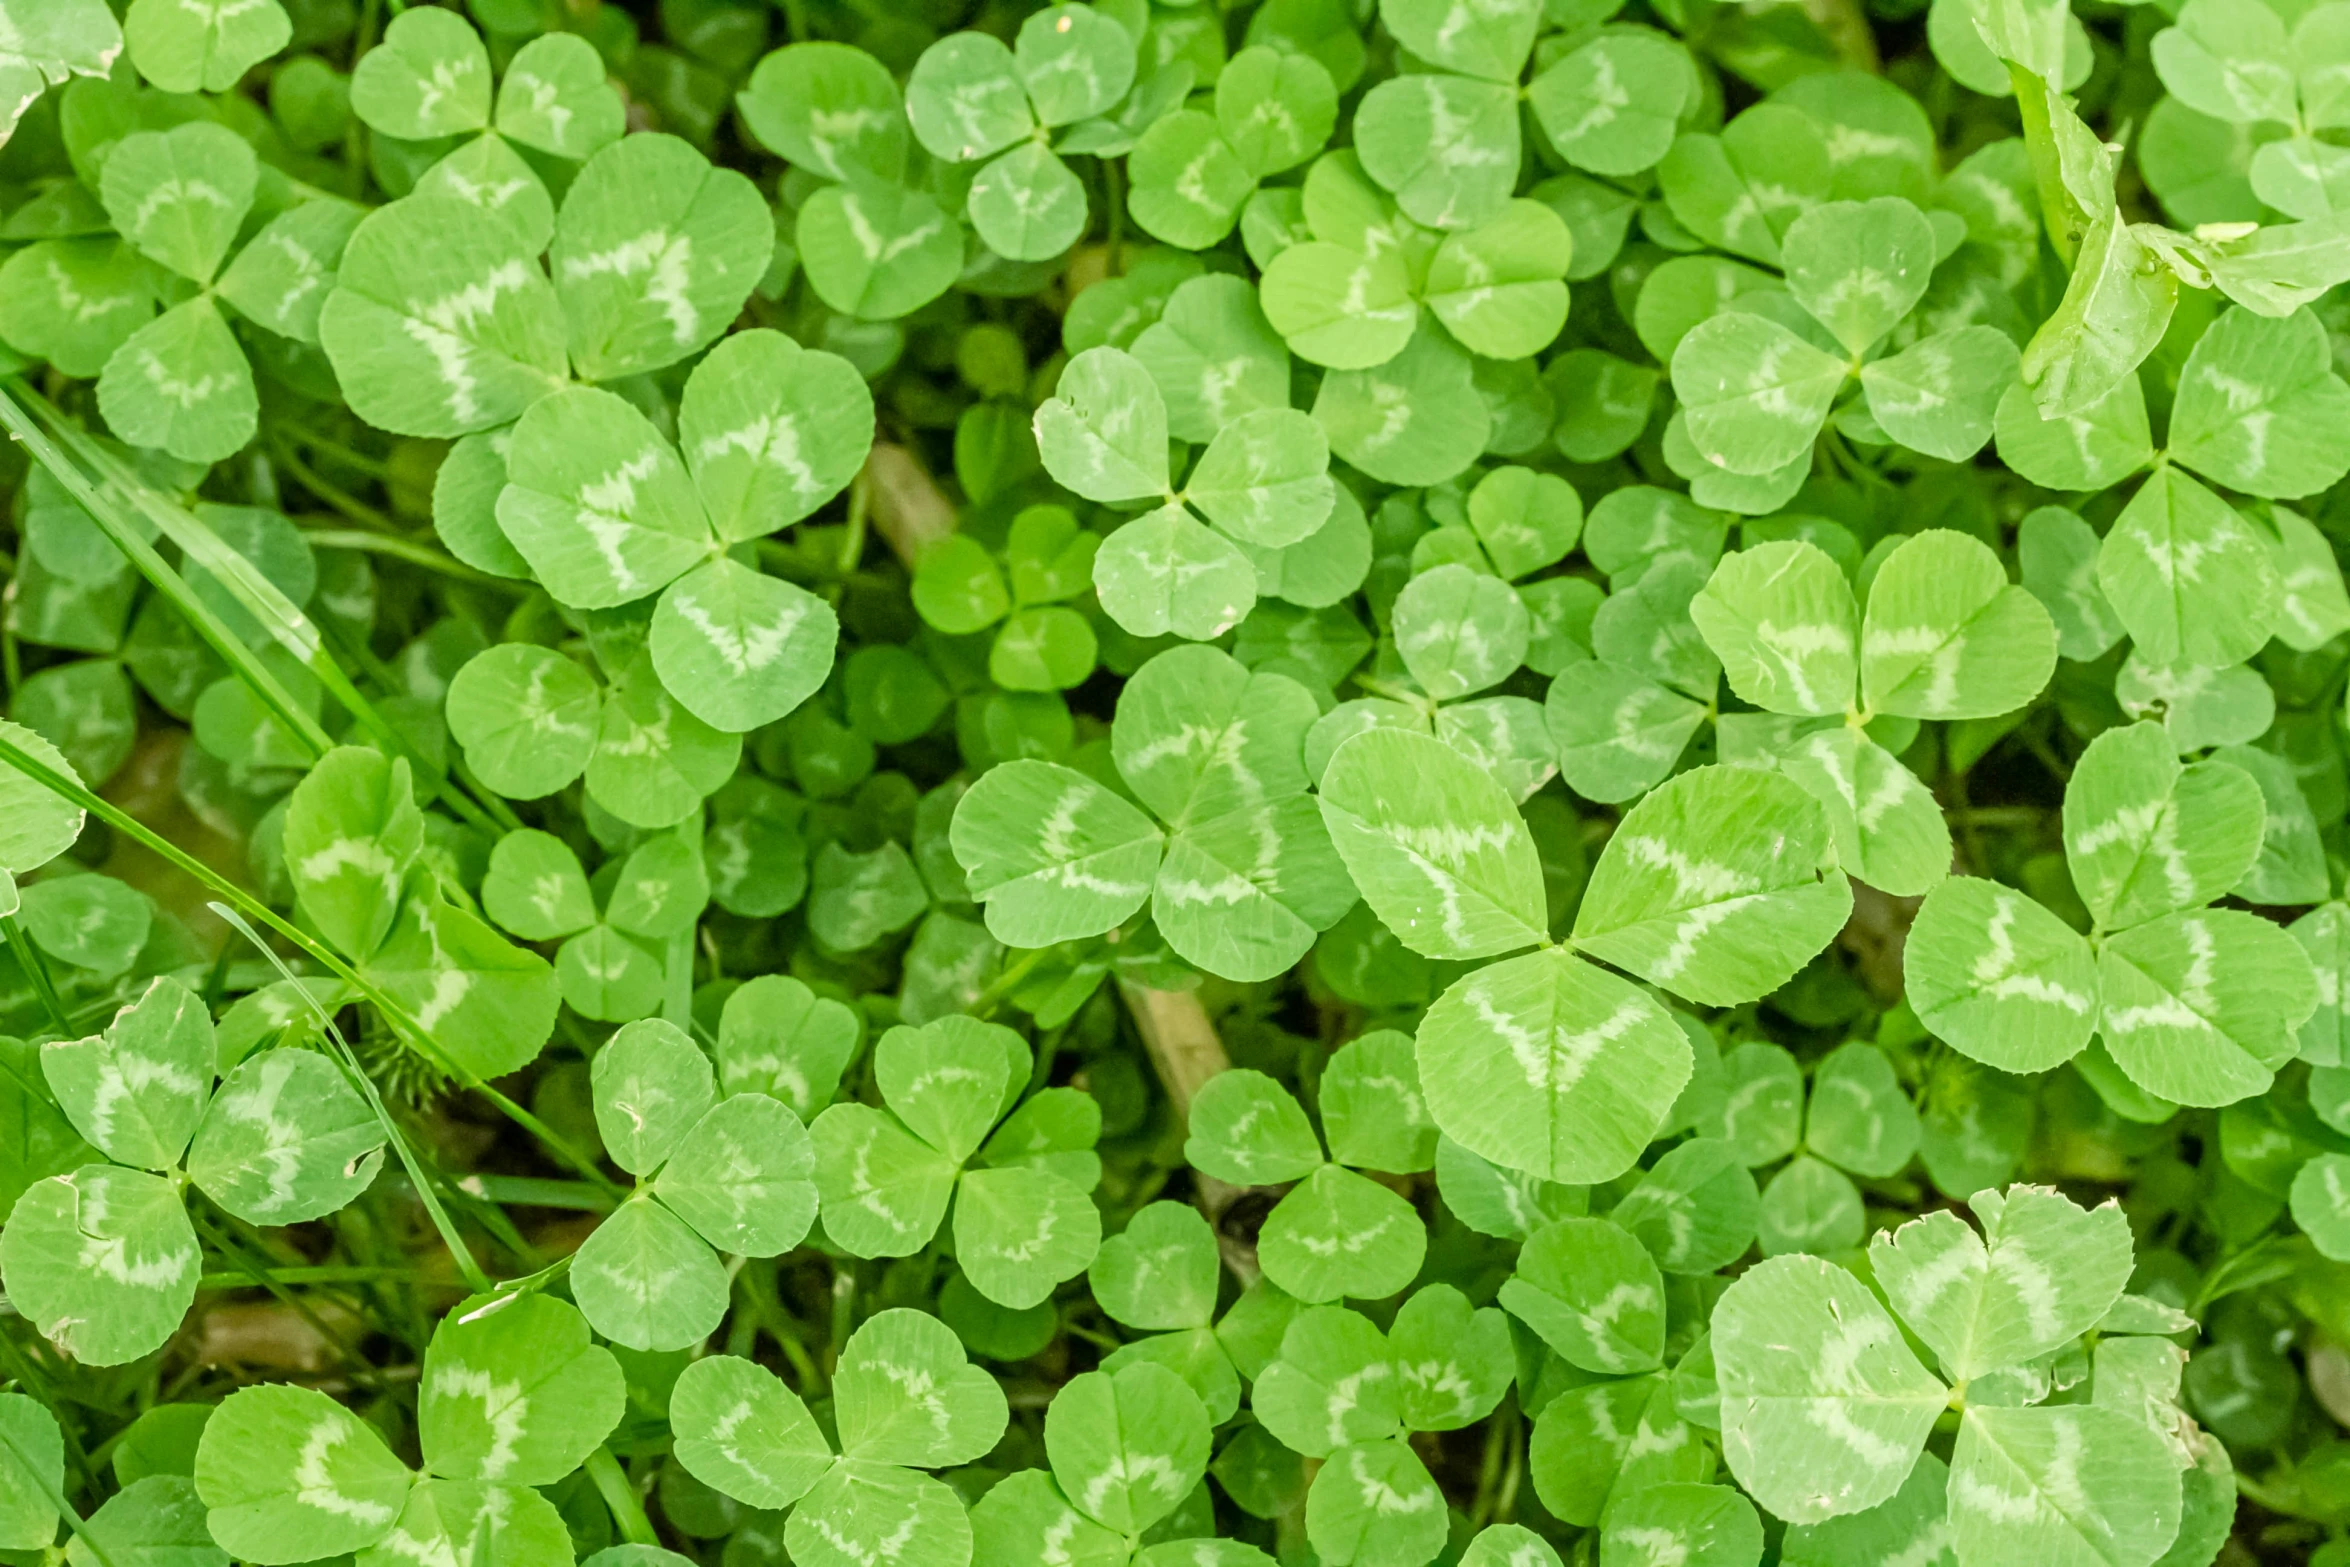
(911, 512)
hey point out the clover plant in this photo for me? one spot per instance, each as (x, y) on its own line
(1126, 782)
(104, 1258)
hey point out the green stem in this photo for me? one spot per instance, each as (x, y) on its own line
(259, 1273)
(852, 548)
(628, 1509)
(757, 1283)
(348, 456)
(1113, 174)
(1395, 693)
(678, 962)
(37, 974)
(405, 549)
(1008, 981)
(329, 1273)
(327, 490)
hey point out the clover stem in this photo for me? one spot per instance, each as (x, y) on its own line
(1395, 693)
(852, 548)
(401, 548)
(232, 1244)
(326, 1273)
(619, 1493)
(844, 1318)
(26, 1375)
(1008, 981)
(1113, 174)
(335, 496)
(757, 1283)
(1489, 1471)
(1963, 814)
(37, 972)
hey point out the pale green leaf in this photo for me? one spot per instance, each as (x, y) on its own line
(1549, 1065)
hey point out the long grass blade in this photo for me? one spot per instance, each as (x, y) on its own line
(285, 622)
(159, 573)
(348, 1059)
(418, 1037)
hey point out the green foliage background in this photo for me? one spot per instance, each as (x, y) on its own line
(1182, 782)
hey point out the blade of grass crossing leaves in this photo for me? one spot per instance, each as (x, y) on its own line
(356, 1076)
(286, 625)
(253, 909)
(157, 571)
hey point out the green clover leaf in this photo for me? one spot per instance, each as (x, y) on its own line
(735, 1174)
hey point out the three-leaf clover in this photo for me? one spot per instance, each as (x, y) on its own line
(2259, 409)
(873, 246)
(1336, 1233)
(1714, 887)
(1348, 293)
(1242, 878)
(972, 99)
(1445, 139)
(611, 966)
(2245, 65)
(532, 720)
(1263, 480)
(606, 513)
(180, 198)
(1126, 1447)
(440, 324)
(1758, 380)
(514, 1396)
(1159, 1275)
(1857, 1121)
(103, 1260)
(961, 1127)
(1600, 1437)
(778, 1037)
(1461, 626)
(904, 1399)
(354, 850)
(733, 1175)
(1040, 644)
(429, 81)
(2195, 1005)
(1590, 1290)
(1193, 171)
(1824, 1407)
(1621, 718)
(1348, 1394)
(1944, 635)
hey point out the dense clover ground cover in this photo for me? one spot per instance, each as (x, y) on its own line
(1176, 782)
